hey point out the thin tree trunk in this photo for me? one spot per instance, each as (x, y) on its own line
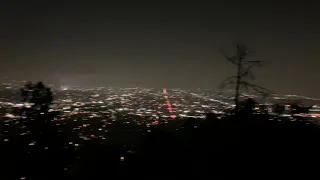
(236, 99)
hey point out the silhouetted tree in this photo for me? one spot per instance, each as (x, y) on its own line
(37, 95)
(244, 71)
(26, 91)
(297, 107)
(48, 154)
(279, 109)
(248, 106)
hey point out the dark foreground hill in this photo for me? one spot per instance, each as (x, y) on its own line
(235, 147)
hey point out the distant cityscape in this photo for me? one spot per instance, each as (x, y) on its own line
(151, 103)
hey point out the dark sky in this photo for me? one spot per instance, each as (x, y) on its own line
(160, 43)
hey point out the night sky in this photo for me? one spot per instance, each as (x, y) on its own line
(160, 43)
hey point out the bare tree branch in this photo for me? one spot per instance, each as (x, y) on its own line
(233, 59)
(257, 88)
(227, 81)
(244, 71)
(257, 63)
